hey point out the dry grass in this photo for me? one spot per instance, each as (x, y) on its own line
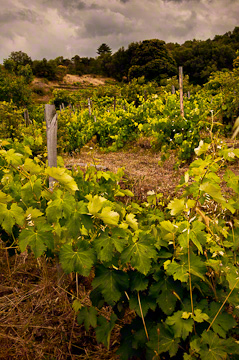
(85, 79)
(36, 317)
(143, 169)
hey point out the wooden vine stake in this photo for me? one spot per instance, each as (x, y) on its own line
(26, 118)
(51, 133)
(181, 90)
(89, 106)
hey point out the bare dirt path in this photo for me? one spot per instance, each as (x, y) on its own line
(142, 169)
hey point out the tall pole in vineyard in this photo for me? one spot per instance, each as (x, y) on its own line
(181, 90)
(51, 132)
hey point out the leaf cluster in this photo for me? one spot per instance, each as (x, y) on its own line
(173, 266)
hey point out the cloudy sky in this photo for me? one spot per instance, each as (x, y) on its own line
(51, 28)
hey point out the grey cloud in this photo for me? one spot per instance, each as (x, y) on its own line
(79, 26)
(71, 5)
(20, 15)
(102, 23)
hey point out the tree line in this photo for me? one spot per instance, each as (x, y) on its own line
(154, 59)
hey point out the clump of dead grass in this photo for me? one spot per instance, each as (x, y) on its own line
(36, 316)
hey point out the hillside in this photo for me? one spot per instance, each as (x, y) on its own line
(43, 88)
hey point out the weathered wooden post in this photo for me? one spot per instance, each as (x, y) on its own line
(181, 90)
(26, 118)
(89, 106)
(173, 89)
(51, 133)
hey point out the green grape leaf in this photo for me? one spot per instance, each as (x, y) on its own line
(37, 239)
(62, 207)
(104, 328)
(213, 190)
(122, 192)
(168, 226)
(140, 255)
(111, 283)
(197, 266)
(31, 191)
(162, 340)
(10, 217)
(87, 222)
(131, 221)
(76, 305)
(80, 261)
(181, 327)
(178, 270)
(165, 292)
(108, 216)
(188, 357)
(168, 230)
(88, 317)
(214, 348)
(195, 345)
(76, 218)
(202, 148)
(138, 281)
(176, 206)
(32, 167)
(32, 213)
(96, 203)
(37, 188)
(232, 180)
(5, 198)
(146, 304)
(104, 247)
(12, 157)
(60, 174)
(223, 322)
(199, 316)
(232, 276)
(109, 241)
(197, 236)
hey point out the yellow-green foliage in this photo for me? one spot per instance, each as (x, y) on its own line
(10, 119)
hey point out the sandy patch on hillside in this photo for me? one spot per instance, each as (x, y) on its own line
(85, 79)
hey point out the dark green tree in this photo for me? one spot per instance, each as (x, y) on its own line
(45, 69)
(14, 88)
(19, 58)
(151, 59)
(26, 72)
(120, 64)
(201, 58)
(104, 49)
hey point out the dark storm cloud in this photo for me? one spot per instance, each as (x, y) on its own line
(70, 5)
(104, 23)
(20, 15)
(80, 5)
(50, 28)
